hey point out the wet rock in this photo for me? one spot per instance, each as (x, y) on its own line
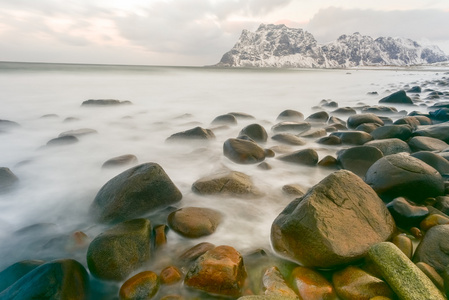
(318, 117)
(228, 183)
(354, 283)
(289, 139)
(290, 115)
(328, 162)
(347, 111)
(404, 243)
(415, 89)
(403, 276)
(405, 214)
(275, 285)
(226, 119)
(423, 120)
(194, 222)
(218, 271)
(313, 230)
(120, 161)
(353, 137)
(141, 286)
(243, 151)
(78, 132)
(16, 271)
(310, 284)
(117, 252)
(358, 159)
(134, 192)
(399, 97)
(390, 146)
(291, 126)
(196, 251)
(434, 160)
(59, 279)
(264, 166)
(293, 189)
(367, 127)
(105, 102)
(64, 140)
(433, 220)
(402, 132)
(401, 175)
(379, 110)
(194, 134)
(425, 143)
(333, 121)
(329, 140)
(7, 180)
(328, 103)
(434, 248)
(442, 204)
(255, 132)
(308, 157)
(264, 297)
(412, 121)
(170, 275)
(440, 115)
(241, 115)
(356, 120)
(160, 236)
(314, 133)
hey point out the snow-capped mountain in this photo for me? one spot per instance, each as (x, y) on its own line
(281, 46)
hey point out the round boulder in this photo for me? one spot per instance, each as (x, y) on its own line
(197, 134)
(358, 159)
(194, 222)
(356, 120)
(120, 161)
(226, 119)
(290, 115)
(440, 132)
(243, 152)
(289, 139)
(353, 137)
(434, 248)
(308, 157)
(7, 179)
(318, 117)
(426, 143)
(255, 132)
(390, 146)
(402, 132)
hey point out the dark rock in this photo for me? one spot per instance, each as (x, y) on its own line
(423, 120)
(78, 132)
(434, 248)
(137, 191)
(367, 127)
(141, 286)
(289, 139)
(194, 222)
(329, 140)
(405, 214)
(293, 189)
(196, 133)
(358, 159)
(426, 143)
(7, 180)
(16, 271)
(49, 116)
(241, 115)
(196, 251)
(318, 117)
(415, 89)
(59, 279)
(441, 114)
(117, 252)
(105, 102)
(434, 160)
(64, 140)
(290, 115)
(386, 120)
(328, 103)
(226, 119)
(442, 204)
(400, 97)
(243, 151)
(412, 121)
(353, 137)
(256, 132)
(308, 157)
(379, 110)
(372, 93)
(390, 146)
(440, 131)
(309, 284)
(401, 175)
(356, 120)
(402, 132)
(313, 230)
(120, 161)
(219, 271)
(264, 166)
(432, 274)
(344, 111)
(291, 126)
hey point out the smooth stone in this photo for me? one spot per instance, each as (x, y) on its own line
(442, 204)
(329, 140)
(16, 271)
(194, 134)
(353, 283)
(105, 102)
(353, 137)
(290, 115)
(390, 146)
(404, 243)
(401, 274)
(337, 122)
(367, 127)
(434, 248)
(424, 120)
(58, 279)
(425, 143)
(291, 126)
(226, 119)
(405, 214)
(78, 132)
(120, 161)
(194, 222)
(310, 284)
(318, 117)
(440, 131)
(434, 160)
(7, 179)
(7, 124)
(379, 109)
(62, 141)
(433, 220)
(143, 285)
(308, 157)
(358, 159)
(196, 251)
(402, 132)
(399, 97)
(243, 151)
(328, 162)
(218, 271)
(293, 189)
(314, 133)
(160, 236)
(356, 120)
(401, 175)
(432, 274)
(137, 191)
(170, 275)
(415, 89)
(328, 103)
(274, 284)
(264, 297)
(242, 115)
(313, 229)
(226, 183)
(264, 166)
(255, 132)
(411, 121)
(344, 111)
(289, 139)
(117, 252)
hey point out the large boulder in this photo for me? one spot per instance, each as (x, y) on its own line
(401, 175)
(194, 222)
(16, 271)
(353, 137)
(117, 252)
(134, 192)
(434, 248)
(358, 159)
(434, 160)
(308, 157)
(243, 152)
(59, 279)
(390, 146)
(402, 132)
(335, 223)
(440, 132)
(256, 132)
(426, 143)
(400, 97)
(356, 120)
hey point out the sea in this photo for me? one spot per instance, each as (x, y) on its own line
(58, 184)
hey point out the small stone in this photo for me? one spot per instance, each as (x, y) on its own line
(170, 275)
(226, 119)
(404, 243)
(308, 157)
(329, 140)
(243, 152)
(433, 220)
(432, 274)
(275, 285)
(399, 97)
(194, 134)
(309, 284)
(160, 237)
(328, 162)
(141, 286)
(78, 132)
(318, 117)
(405, 214)
(290, 115)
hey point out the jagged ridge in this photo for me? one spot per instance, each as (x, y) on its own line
(281, 46)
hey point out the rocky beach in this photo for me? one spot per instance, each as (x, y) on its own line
(342, 199)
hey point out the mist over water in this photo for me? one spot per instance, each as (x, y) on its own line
(58, 184)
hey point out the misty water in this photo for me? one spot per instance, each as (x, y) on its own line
(58, 184)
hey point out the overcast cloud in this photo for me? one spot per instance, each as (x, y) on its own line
(194, 32)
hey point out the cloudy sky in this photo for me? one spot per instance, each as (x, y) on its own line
(196, 32)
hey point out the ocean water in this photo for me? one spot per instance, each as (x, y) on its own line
(58, 184)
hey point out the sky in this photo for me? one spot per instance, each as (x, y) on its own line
(196, 32)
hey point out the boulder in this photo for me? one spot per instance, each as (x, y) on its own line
(313, 133)
(434, 248)
(117, 252)
(291, 126)
(329, 140)
(405, 214)
(367, 127)
(402, 132)
(196, 251)
(255, 132)
(274, 284)
(314, 229)
(308, 157)
(356, 120)
(415, 89)
(318, 117)
(401, 175)
(310, 284)
(194, 222)
(434, 160)
(194, 134)
(137, 191)
(290, 115)
(289, 139)
(226, 119)
(120, 161)
(412, 121)
(400, 97)
(242, 115)
(243, 152)
(426, 143)
(59, 279)
(16, 271)
(401, 274)
(379, 109)
(390, 146)
(141, 286)
(358, 159)
(105, 102)
(353, 137)
(348, 111)
(218, 271)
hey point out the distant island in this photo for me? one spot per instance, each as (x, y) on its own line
(281, 46)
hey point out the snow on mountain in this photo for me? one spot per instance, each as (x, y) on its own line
(281, 46)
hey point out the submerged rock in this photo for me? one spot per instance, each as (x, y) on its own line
(105, 102)
(63, 140)
(7, 179)
(256, 132)
(16, 271)
(308, 157)
(196, 133)
(399, 97)
(274, 284)
(78, 132)
(141, 286)
(289, 139)
(120, 161)
(194, 222)
(243, 151)
(290, 115)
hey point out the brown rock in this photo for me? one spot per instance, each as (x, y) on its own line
(170, 275)
(358, 159)
(275, 285)
(425, 143)
(310, 284)
(432, 274)
(291, 126)
(308, 157)
(404, 243)
(434, 248)
(196, 251)
(256, 132)
(160, 237)
(353, 137)
(243, 152)
(141, 286)
(433, 220)
(289, 139)
(120, 161)
(290, 115)
(356, 120)
(194, 222)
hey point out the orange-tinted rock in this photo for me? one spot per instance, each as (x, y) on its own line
(416, 232)
(172, 297)
(311, 285)
(432, 274)
(433, 220)
(404, 243)
(160, 238)
(196, 251)
(275, 285)
(194, 222)
(353, 283)
(141, 286)
(170, 275)
(218, 271)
